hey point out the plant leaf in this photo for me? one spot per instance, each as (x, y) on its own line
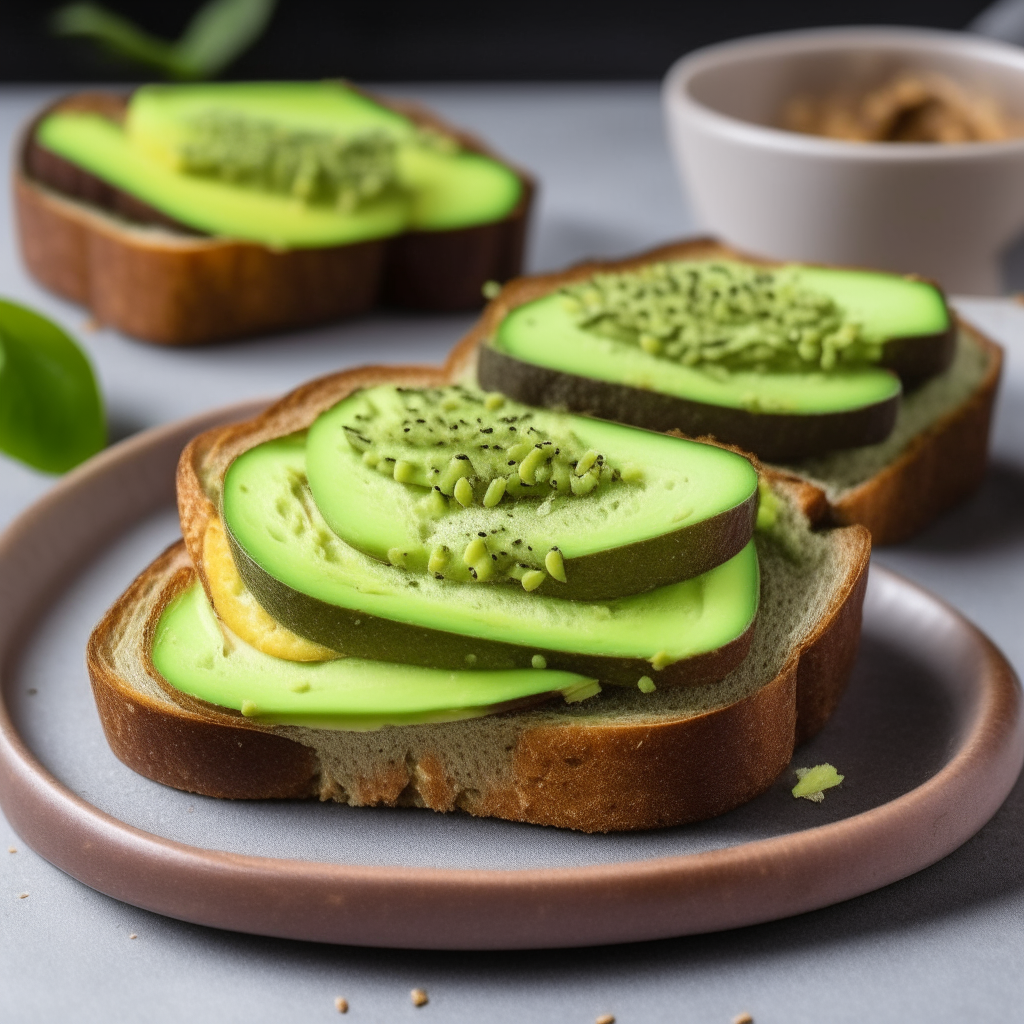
(221, 30)
(51, 414)
(120, 37)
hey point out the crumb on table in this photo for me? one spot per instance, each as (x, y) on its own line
(605, 1018)
(341, 1004)
(418, 997)
(743, 1018)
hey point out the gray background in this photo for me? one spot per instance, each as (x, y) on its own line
(945, 945)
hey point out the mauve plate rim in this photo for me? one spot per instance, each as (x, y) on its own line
(465, 908)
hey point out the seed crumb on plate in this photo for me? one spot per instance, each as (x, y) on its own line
(22, 895)
(12, 849)
(341, 1004)
(743, 1018)
(418, 997)
(605, 1018)
(133, 936)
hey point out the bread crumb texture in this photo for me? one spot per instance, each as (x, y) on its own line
(605, 1018)
(341, 1004)
(23, 896)
(743, 1018)
(840, 471)
(418, 997)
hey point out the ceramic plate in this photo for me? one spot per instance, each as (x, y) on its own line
(929, 737)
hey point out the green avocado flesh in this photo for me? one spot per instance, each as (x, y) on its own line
(470, 487)
(296, 165)
(884, 305)
(194, 655)
(322, 588)
(545, 333)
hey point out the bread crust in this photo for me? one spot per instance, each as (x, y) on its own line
(185, 289)
(212, 753)
(943, 464)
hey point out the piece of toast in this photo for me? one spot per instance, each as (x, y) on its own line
(936, 456)
(624, 760)
(138, 271)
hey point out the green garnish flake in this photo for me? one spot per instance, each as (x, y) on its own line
(645, 684)
(660, 660)
(489, 487)
(767, 506)
(51, 414)
(721, 315)
(812, 782)
(477, 449)
(313, 167)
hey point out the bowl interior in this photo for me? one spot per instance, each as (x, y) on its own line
(752, 80)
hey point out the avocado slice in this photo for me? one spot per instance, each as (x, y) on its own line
(194, 655)
(621, 346)
(473, 488)
(290, 164)
(321, 588)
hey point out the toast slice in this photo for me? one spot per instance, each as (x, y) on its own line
(624, 760)
(140, 272)
(935, 456)
(621, 761)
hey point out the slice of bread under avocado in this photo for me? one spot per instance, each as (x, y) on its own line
(189, 213)
(661, 750)
(860, 382)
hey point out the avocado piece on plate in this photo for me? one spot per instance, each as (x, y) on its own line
(286, 164)
(785, 362)
(473, 488)
(323, 589)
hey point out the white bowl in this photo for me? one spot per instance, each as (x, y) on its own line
(944, 211)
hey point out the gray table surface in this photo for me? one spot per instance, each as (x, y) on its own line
(944, 945)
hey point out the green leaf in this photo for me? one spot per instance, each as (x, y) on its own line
(120, 37)
(220, 31)
(51, 414)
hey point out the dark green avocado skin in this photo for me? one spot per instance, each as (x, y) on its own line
(775, 437)
(916, 359)
(649, 564)
(369, 636)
